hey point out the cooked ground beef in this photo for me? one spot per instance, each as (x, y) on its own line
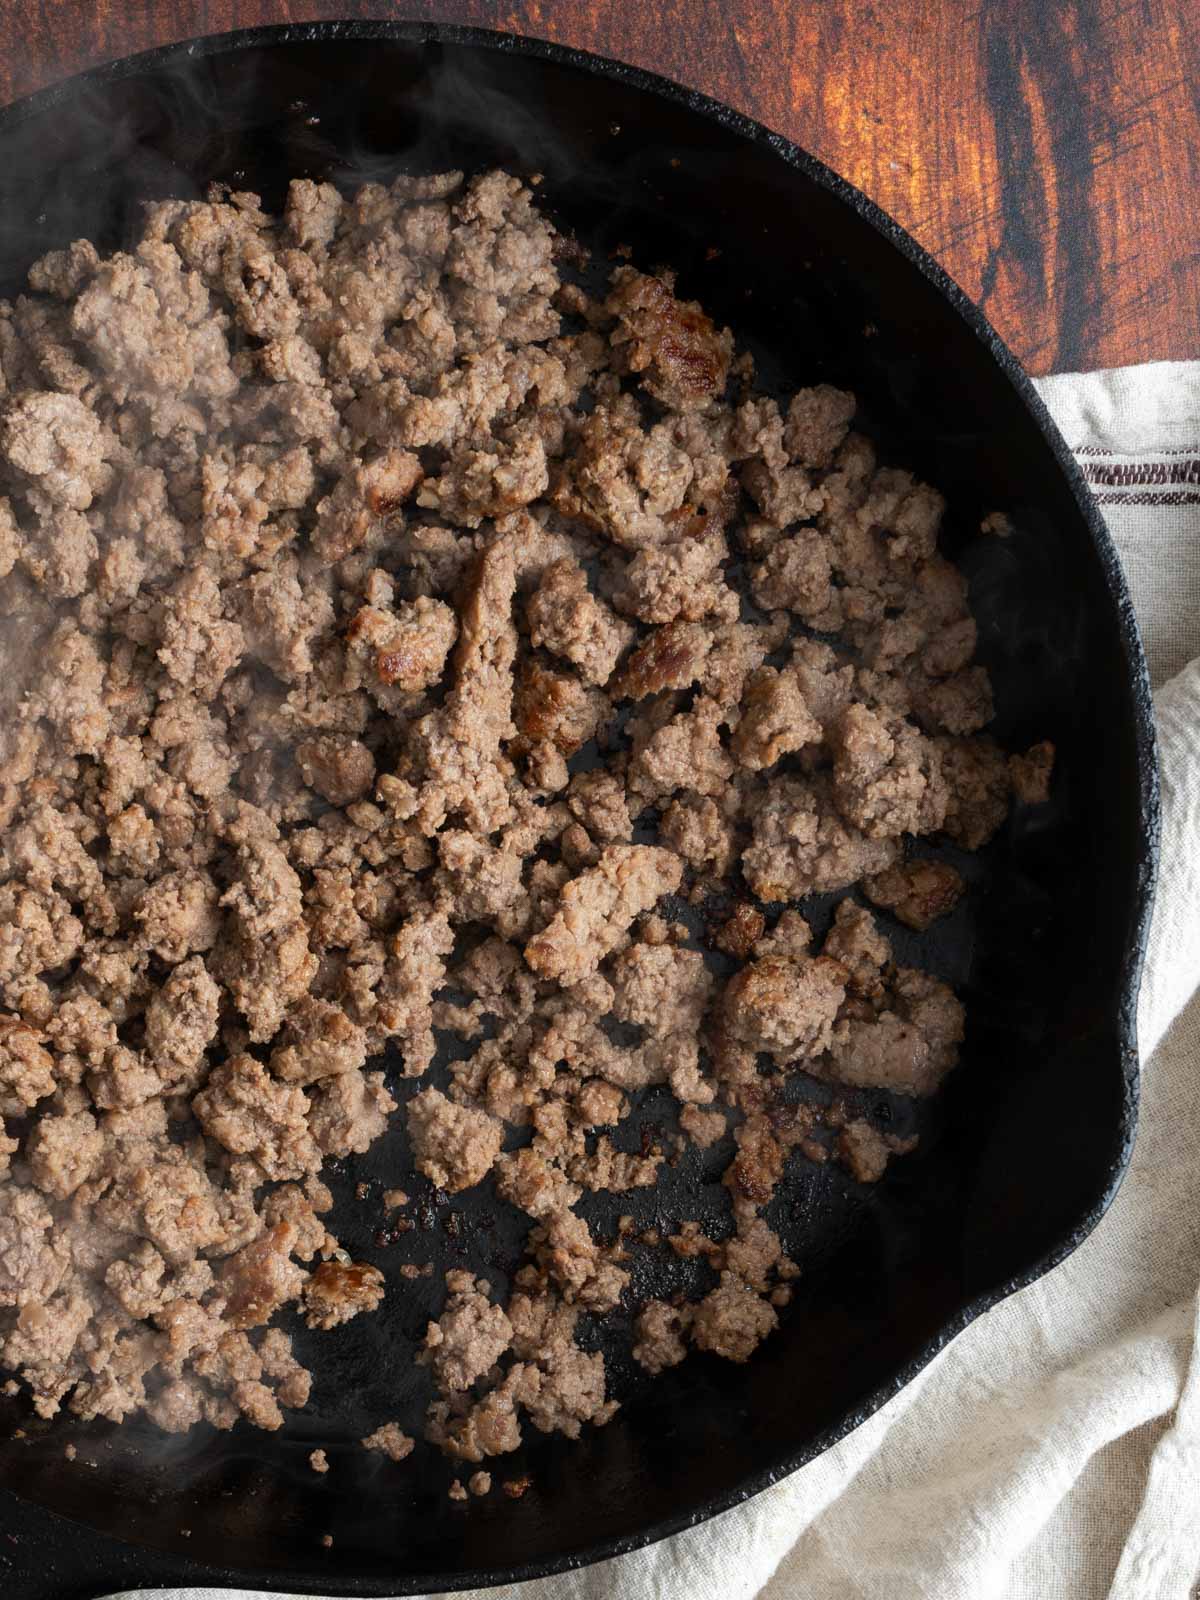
(390, 1441)
(329, 542)
(917, 893)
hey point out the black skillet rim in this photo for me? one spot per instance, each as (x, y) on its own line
(1137, 675)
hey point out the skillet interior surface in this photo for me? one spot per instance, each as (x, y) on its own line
(1029, 1139)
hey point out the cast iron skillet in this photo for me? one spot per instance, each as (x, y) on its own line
(1030, 1139)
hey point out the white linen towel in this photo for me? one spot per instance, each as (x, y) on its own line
(1052, 1452)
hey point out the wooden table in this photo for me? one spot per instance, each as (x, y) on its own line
(1046, 151)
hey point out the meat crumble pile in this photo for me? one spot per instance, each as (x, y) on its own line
(396, 640)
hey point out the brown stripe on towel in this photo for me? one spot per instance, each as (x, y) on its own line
(1128, 474)
(1170, 497)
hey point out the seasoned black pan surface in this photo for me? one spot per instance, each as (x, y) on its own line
(1030, 1138)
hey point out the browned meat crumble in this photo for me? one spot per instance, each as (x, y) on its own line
(327, 542)
(390, 1441)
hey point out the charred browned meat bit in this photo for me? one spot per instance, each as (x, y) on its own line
(917, 893)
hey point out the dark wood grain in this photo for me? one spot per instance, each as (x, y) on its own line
(1047, 153)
